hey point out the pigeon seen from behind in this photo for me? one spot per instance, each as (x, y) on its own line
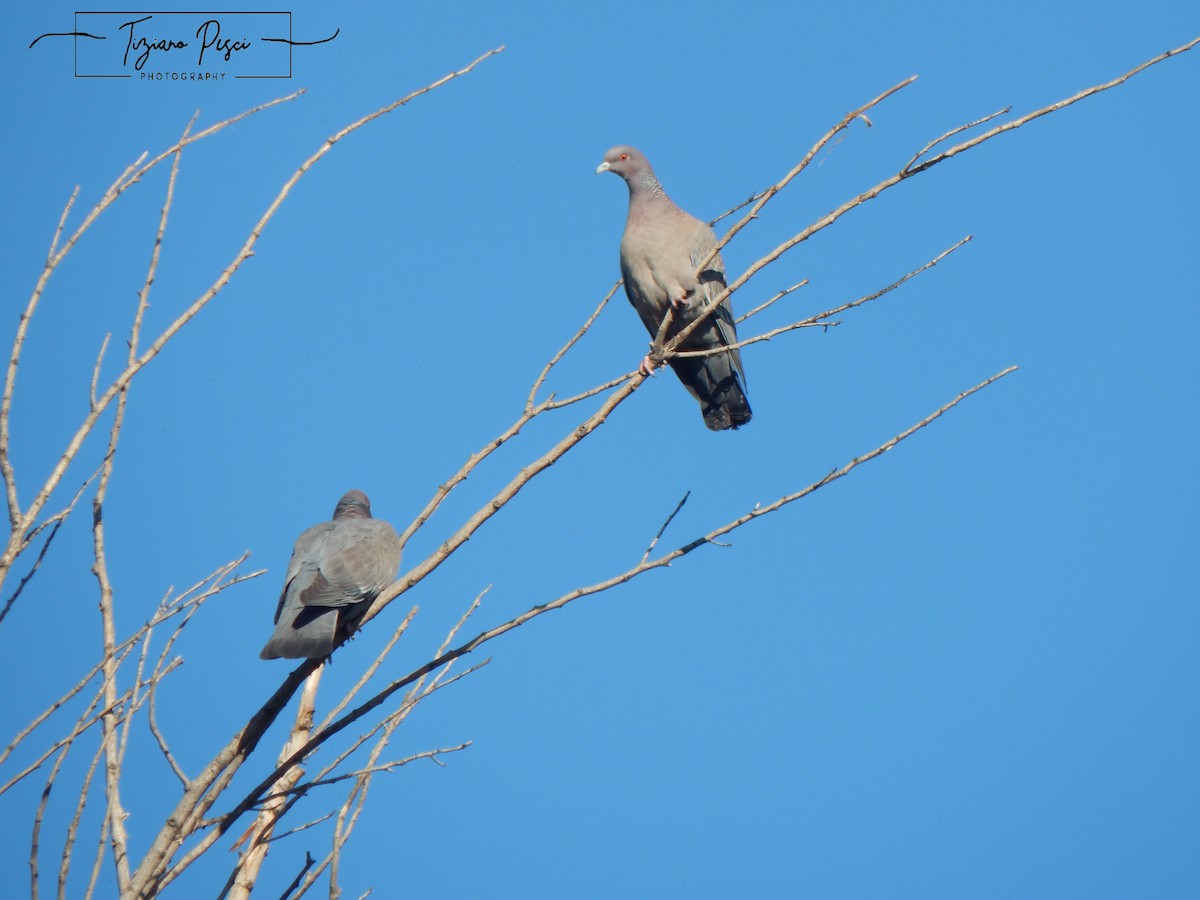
(660, 251)
(337, 568)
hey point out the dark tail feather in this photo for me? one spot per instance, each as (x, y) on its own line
(713, 382)
(306, 633)
(313, 631)
(731, 411)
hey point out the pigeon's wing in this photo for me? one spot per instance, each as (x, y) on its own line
(299, 633)
(306, 554)
(358, 559)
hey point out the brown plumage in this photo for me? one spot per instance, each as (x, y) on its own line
(660, 250)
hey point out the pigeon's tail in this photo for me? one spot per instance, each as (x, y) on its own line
(312, 632)
(304, 633)
(714, 381)
(730, 411)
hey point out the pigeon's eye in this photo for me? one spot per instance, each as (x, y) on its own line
(624, 156)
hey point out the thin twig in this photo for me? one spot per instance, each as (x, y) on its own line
(55, 522)
(39, 815)
(591, 392)
(954, 131)
(383, 767)
(22, 521)
(370, 671)
(96, 371)
(1046, 110)
(308, 862)
(822, 320)
(732, 210)
(770, 302)
(6, 399)
(554, 360)
(156, 870)
(64, 866)
(663, 561)
(276, 838)
(674, 512)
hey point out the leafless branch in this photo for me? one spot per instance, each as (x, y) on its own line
(674, 513)
(180, 841)
(733, 209)
(35, 839)
(591, 392)
(823, 319)
(6, 468)
(152, 720)
(22, 521)
(1038, 113)
(308, 862)
(276, 838)
(370, 671)
(954, 131)
(73, 828)
(383, 767)
(770, 302)
(96, 372)
(114, 752)
(152, 874)
(348, 719)
(186, 601)
(870, 194)
(245, 874)
(554, 360)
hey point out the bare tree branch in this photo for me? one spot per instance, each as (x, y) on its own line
(73, 828)
(260, 790)
(770, 302)
(167, 610)
(21, 522)
(870, 194)
(113, 753)
(245, 873)
(187, 832)
(1037, 113)
(674, 513)
(823, 319)
(554, 360)
(54, 523)
(194, 802)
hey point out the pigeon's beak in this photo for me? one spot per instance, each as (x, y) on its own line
(603, 167)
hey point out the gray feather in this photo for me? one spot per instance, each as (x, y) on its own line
(337, 568)
(660, 251)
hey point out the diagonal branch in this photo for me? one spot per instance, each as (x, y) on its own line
(1037, 113)
(196, 800)
(822, 319)
(256, 794)
(19, 521)
(567, 346)
(888, 183)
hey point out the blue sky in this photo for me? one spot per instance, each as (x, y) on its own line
(969, 669)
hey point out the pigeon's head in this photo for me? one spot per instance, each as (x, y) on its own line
(353, 505)
(628, 162)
